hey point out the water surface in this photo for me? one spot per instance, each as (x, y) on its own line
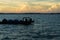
(45, 27)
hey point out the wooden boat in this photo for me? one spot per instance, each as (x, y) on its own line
(24, 21)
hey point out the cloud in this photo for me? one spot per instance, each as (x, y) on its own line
(16, 6)
(54, 8)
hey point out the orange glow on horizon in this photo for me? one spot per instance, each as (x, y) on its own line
(21, 7)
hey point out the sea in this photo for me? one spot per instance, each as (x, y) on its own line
(45, 27)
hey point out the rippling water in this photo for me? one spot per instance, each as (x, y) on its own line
(45, 27)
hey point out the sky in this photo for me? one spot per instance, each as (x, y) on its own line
(30, 6)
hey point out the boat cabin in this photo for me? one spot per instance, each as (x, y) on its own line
(27, 20)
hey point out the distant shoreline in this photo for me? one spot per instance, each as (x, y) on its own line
(29, 13)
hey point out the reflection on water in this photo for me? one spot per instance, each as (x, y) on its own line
(45, 27)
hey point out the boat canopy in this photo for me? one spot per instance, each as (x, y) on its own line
(27, 19)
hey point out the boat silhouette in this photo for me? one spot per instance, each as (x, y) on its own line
(25, 21)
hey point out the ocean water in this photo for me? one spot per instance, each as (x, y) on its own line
(45, 27)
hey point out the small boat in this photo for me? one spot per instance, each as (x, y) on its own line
(24, 21)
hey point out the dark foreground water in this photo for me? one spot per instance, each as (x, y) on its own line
(45, 27)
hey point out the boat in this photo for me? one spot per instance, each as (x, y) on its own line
(24, 21)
